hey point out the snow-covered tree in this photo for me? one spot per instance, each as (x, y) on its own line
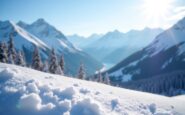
(11, 51)
(3, 52)
(100, 78)
(81, 72)
(61, 63)
(36, 60)
(59, 71)
(106, 79)
(20, 59)
(53, 65)
(45, 66)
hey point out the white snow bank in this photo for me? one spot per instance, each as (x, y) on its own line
(181, 97)
(6, 74)
(30, 101)
(32, 88)
(26, 91)
(86, 107)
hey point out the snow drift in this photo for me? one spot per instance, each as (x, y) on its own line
(26, 91)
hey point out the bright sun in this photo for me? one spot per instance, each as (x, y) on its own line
(156, 9)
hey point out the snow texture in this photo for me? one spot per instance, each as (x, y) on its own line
(26, 91)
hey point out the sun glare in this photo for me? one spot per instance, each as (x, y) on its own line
(156, 9)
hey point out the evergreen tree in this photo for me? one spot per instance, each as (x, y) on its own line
(20, 59)
(45, 66)
(61, 63)
(36, 60)
(3, 52)
(100, 78)
(106, 79)
(53, 66)
(11, 51)
(81, 72)
(59, 70)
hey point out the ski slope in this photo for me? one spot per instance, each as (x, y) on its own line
(26, 91)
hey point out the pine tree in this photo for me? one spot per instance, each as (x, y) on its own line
(100, 78)
(20, 59)
(106, 79)
(81, 72)
(59, 70)
(3, 52)
(36, 60)
(61, 63)
(11, 51)
(45, 66)
(53, 65)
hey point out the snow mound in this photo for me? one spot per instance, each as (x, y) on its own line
(26, 91)
(30, 101)
(86, 107)
(65, 105)
(6, 74)
(31, 87)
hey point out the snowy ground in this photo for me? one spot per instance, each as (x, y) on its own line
(25, 91)
(180, 97)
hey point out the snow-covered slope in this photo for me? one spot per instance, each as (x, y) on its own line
(26, 91)
(22, 37)
(181, 97)
(56, 39)
(114, 46)
(23, 40)
(45, 36)
(49, 35)
(171, 37)
(164, 55)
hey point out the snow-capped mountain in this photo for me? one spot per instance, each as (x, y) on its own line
(25, 91)
(45, 36)
(21, 36)
(164, 55)
(23, 40)
(116, 45)
(83, 42)
(49, 35)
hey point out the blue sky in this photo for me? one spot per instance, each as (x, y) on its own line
(85, 17)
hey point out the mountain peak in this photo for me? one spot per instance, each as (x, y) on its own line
(40, 22)
(116, 31)
(146, 28)
(7, 22)
(22, 24)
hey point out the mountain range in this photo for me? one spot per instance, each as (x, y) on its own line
(46, 37)
(83, 42)
(165, 54)
(114, 46)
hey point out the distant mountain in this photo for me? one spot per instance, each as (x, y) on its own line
(114, 46)
(164, 55)
(45, 36)
(83, 42)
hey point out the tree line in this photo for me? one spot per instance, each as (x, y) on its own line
(8, 54)
(170, 84)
